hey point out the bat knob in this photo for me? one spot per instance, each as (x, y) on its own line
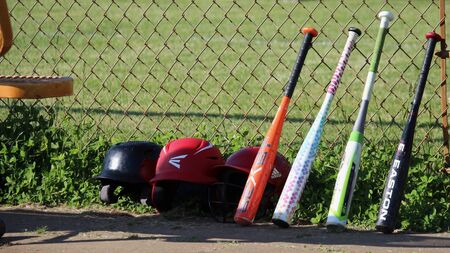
(433, 35)
(355, 30)
(310, 30)
(386, 14)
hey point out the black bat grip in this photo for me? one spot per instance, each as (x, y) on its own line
(398, 173)
(433, 39)
(310, 33)
(408, 132)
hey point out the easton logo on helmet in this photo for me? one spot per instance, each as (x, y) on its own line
(175, 161)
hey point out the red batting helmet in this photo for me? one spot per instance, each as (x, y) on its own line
(184, 166)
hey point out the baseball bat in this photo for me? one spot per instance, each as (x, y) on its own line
(263, 163)
(348, 171)
(299, 173)
(398, 173)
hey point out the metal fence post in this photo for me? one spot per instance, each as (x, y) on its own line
(444, 56)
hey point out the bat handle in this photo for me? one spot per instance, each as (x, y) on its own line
(353, 34)
(310, 33)
(434, 36)
(385, 17)
(432, 39)
(355, 30)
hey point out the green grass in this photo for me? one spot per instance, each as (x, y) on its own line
(144, 67)
(41, 230)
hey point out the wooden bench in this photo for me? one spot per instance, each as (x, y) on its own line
(23, 87)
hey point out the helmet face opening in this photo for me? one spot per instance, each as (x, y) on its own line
(167, 195)
(224, 196)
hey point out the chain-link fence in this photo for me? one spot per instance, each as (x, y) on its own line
(148, 67)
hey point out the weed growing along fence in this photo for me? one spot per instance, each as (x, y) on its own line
(43, 163)
(159, 70)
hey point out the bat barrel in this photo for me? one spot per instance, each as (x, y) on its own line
(281, 223)
(398, 172)
(310, 33)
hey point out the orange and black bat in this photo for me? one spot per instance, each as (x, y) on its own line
(263, 164)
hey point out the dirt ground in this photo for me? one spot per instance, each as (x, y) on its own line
(68, 230)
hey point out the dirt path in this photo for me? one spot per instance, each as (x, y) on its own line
(56, 230)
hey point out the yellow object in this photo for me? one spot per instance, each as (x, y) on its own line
(6, 35)
(34, 87)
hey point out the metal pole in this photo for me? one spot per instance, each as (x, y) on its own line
(444, 55)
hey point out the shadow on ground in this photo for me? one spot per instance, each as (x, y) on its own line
(70, 227)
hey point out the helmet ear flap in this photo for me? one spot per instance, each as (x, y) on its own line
(162, 195)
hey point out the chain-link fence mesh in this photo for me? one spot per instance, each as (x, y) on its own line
(147, 67)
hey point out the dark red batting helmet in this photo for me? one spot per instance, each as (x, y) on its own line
(225, 194)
